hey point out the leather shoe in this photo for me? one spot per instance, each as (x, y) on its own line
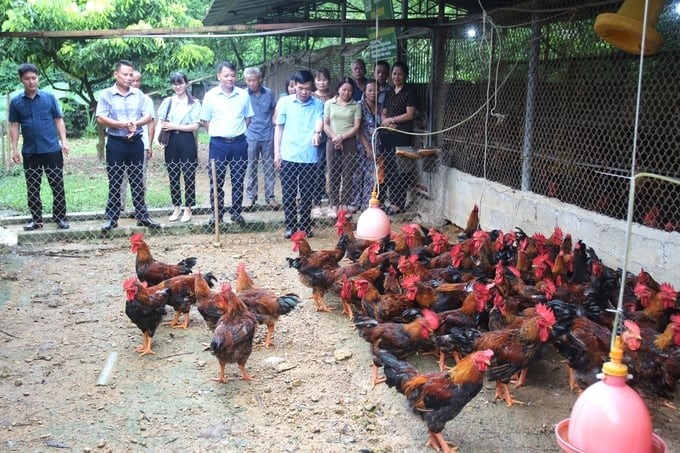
(238, 218)
(33, 225)
(288, 234)
(148, 223)
(62, 224)
(109, 225)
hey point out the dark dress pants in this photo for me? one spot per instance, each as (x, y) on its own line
(232, 155)
(52, 164)
(125, 156)
(296, 177)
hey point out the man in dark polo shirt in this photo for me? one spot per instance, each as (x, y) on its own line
(44, 145)
(123, 110)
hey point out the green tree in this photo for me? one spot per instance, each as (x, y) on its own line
(87, 64)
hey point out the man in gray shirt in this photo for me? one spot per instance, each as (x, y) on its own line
(260, 137)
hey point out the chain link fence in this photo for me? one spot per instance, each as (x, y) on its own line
(562, 124)
(537, 102)
(249, 188)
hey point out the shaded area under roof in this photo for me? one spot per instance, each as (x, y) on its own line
(316, 14)
(232, 12)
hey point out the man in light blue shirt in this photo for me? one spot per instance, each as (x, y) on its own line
(296, 138)
(226, 113)
(260, 137)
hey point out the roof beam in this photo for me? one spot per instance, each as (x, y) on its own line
(271, 29)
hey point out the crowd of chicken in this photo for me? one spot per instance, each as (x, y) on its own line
(490, 301)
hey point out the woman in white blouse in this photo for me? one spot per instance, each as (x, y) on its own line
(179, 115)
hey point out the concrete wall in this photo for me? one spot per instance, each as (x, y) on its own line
(504, 208)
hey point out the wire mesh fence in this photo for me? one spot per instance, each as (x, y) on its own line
(184, 194)
(561, 123)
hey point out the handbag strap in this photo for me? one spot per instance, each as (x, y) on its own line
(167, 112)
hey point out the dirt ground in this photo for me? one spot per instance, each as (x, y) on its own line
(63, 315)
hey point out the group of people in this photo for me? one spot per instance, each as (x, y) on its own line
(344, 167)
(320, 141)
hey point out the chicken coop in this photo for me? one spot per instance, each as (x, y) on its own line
(530, 113)
(536, 117)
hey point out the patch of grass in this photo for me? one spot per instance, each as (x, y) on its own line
(85, 182)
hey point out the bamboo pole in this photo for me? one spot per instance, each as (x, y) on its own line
(216, 213)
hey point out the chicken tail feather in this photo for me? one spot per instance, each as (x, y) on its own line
(288, 302)
(397, 373)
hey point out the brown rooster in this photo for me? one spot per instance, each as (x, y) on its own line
(151, 271)
(266, 305)
(472, 223)
(232, 340)
(583, 343)
(515, 349)
(182, 295)
(210, 305)
(437, 397)
(400, 339)
(354, 246)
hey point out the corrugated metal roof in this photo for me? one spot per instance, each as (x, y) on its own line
(232, 12)
(244, 12)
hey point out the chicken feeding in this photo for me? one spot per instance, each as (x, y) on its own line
(583, 343)
(210, 305)
(400, 339)
(151, 271)
(265, 304)
(232, 340)
(183, 296)
(437, 397)
(145, 307)
(514, 349)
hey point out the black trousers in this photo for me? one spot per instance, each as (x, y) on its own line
(232, 156)
(396, 183)
(181, 159)
(52, 164)
(295, 178)
(125, 156)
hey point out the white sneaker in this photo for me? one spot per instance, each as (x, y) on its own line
(332, 212)
(317, 212)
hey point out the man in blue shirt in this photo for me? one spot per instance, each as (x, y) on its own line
(299, 123)
(260, 137)
(123, 110)
(42, 127)
(226, 114)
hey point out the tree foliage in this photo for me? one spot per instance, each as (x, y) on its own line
(87, 64)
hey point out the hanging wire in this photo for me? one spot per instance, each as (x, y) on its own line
(631, 189)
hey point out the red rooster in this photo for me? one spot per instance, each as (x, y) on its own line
(438, 397)
(266, 305)
(400, 339)
(515, 349)
(151, 271)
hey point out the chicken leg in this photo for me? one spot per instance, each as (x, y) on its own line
(145, 347)
(437, 441)
(221, 378)
(375, 380)
(270, 333)
(347, 309)
(319, 302)
(175, 320)
(503, 393)
(244, 374)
